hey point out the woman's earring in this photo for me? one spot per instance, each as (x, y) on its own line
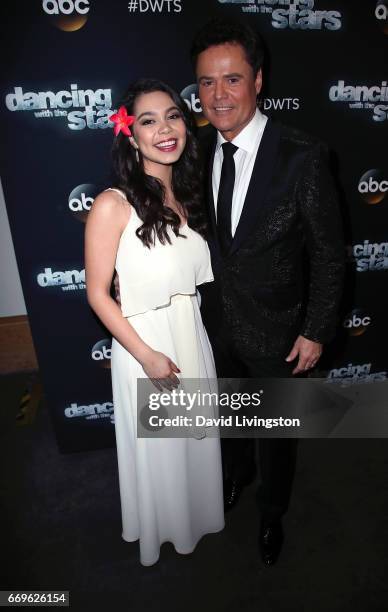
(135, 146)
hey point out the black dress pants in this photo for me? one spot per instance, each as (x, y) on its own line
(277, 456)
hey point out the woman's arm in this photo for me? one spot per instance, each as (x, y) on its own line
(106, 221)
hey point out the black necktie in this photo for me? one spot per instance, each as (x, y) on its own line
(225, 196)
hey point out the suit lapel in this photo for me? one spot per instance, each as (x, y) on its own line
(254, 204)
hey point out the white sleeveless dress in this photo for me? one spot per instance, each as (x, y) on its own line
(170, 488)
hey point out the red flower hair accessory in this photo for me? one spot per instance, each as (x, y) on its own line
(122, 121)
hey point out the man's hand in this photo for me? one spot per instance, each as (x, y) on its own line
(116, 285)
(308, 351)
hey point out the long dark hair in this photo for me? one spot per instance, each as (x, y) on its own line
(146, 193)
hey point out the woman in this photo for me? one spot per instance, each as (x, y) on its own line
(149, 229)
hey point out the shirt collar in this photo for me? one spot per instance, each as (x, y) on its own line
(246, 139)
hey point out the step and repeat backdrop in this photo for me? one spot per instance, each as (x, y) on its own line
(67, 64)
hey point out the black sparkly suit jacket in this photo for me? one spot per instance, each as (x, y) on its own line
(283, 274)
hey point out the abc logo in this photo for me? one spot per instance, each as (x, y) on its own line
(356, 322)
(190, 96)
(81, 200)
(67, 15)
(373, 187)
(381, 13)
(101, 352)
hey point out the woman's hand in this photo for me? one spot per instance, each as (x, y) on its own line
(160, 369)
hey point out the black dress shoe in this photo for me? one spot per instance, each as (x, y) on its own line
(233, 489)
(270, 541)
(232, 492)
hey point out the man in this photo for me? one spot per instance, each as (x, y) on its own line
(270, 200)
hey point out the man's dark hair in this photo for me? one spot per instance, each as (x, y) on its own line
(220, 31)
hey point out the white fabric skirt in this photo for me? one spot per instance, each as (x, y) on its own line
(170, 488)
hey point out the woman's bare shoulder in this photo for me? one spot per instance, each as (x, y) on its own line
(111, 206)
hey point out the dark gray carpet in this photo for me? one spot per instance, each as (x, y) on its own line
(61, 529)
